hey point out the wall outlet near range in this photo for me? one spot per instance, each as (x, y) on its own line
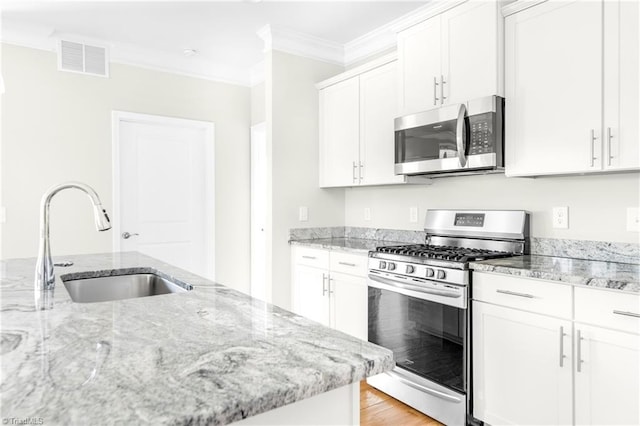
(633, 219)
(560, 217)
(413, 214)
(367, 213)
(303, 214)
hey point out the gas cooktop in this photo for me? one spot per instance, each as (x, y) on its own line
(451, 253)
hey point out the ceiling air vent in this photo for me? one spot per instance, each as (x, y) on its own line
(83, 58)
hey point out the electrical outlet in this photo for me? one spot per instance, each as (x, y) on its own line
(303, 214)
(560, 217)
(367, 213)
(633, 219)
(413, 214)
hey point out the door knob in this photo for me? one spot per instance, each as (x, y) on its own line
(127, 235)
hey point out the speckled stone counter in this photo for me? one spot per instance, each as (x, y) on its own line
(212, 355)
(352, 245)
(617, 276)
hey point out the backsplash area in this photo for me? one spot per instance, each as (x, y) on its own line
(577, 249)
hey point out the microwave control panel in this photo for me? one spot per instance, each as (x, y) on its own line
(482, 139)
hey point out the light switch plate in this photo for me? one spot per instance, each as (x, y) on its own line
(560, 217)
(413, 214)
(367, 213)
(303, 214)
(633, 219)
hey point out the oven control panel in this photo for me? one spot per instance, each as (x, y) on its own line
(435, 273)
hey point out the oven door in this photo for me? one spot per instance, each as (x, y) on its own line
(426, 334)
(432, 141)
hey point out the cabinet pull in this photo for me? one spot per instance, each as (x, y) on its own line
(562, 355)
(610, 157)
(513, 293)
(360, 166)
(346, 264)
(309, 257)
(354, 172)
(626, 313)
(329, 286)
(579, 360)
(324, 285)
(442, 82)
(435, 91)
(593, 149)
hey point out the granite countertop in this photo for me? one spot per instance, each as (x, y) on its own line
(592, 273)
(353, 245)
(212, 355)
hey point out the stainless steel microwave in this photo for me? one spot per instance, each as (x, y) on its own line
(456, 138)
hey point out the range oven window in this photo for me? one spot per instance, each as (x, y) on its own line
(426, 338)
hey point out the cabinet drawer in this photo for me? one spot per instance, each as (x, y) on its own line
(317, 258)
(348, 263)
(608, 309)
(532, 295)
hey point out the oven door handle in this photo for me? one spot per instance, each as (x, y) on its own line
(461, 141)
(392, 285)
(424, 389)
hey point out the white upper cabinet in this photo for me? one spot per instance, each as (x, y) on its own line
(450, 58)
(621, 85)
(339, 133)
(357, 128)
(554, 88)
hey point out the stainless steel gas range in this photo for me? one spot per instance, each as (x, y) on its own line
(419, 306)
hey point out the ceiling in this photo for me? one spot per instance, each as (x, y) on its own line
(223, 33)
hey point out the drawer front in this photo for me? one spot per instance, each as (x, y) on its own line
(608, 308)
(528, 294)
(349, 263)
(317, 258)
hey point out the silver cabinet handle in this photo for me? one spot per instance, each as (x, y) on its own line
(354, 172)
(610, 157)
(593, 149)
(324, 285)
(127, 235)
(346, 264)
(435, 91)
(442, 97)
(579, 360)
(513, 293)
(562, 355)
(360, 166)
(461, 137)
(329, 286)
(309, 257)
(627, 314)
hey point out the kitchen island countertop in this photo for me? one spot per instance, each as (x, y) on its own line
(208, 356)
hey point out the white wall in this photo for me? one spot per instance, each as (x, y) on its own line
(597, 204)
(258, 104)
(292, 141)
(56, 126)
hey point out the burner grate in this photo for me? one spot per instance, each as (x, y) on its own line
(457, 254)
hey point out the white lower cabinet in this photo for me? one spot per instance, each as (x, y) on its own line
(518, 375)
(334, 299)
(531, 365)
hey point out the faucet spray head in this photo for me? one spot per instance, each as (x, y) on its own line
(101, 218)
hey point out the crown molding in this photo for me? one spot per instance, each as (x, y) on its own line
(353, 72)
(300, 44)
(429, 10)
(512, 7)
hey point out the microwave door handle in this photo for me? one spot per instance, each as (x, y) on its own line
(461, 142)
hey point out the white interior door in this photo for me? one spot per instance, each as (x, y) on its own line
(259, 212)
(164, 190)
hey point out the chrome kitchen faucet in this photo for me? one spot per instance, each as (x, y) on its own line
(45, 278)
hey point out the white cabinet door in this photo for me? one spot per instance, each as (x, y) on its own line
(607, 386)
(470, 52)
(339, 133)
(553, 85)
(419, 66)
(349, 304)
(310, 286)
(621, 85)
(517, 376)
(378, 110)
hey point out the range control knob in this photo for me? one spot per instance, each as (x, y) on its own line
(410, 269)
(441, 274)
(392, 266)
(429, 272)
(383, 264)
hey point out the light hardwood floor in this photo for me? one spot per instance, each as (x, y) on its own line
(379, 409)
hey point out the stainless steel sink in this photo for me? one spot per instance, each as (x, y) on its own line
(88, 290)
